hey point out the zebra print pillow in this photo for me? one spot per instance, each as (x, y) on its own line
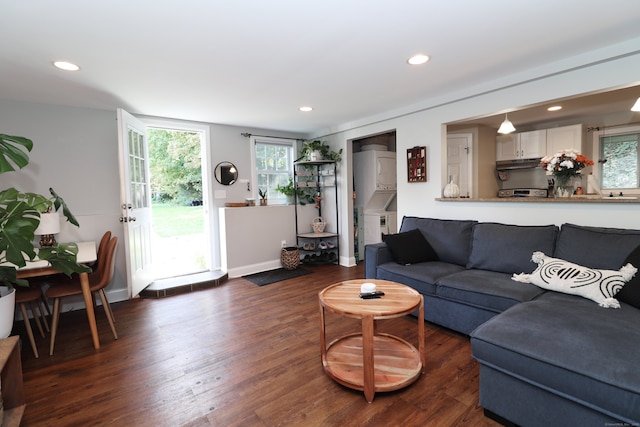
(563, 276)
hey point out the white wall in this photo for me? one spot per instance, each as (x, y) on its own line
(76, 152)
(253, 237)
(427, 127)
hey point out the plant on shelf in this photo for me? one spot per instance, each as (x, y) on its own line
(312, 151)
(20, 216)
(304, 194)
(263, 196)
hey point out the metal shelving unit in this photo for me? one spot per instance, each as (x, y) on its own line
(321, 176)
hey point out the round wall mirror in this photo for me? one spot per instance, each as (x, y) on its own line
(226, 173)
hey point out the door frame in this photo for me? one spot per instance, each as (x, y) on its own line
(211, 256)
(468, 179)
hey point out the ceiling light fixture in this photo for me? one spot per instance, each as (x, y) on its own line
(555, 108)
(305, 109)
(67, 66)
(636, 106)
(417, 59)
(506, 126)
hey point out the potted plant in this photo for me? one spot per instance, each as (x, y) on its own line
(19, 218)
(263, 196)
(313, 151)
(304, 194)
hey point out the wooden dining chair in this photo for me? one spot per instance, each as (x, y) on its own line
(32, 296)
(106, 238)
(99, 279)
(63, 278)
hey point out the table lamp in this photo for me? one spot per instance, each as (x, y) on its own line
(49, 225)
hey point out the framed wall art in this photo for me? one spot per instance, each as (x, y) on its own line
(417, 164)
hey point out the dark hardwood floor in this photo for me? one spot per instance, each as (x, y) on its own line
(236, 355)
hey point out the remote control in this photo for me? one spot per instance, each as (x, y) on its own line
(371, 295)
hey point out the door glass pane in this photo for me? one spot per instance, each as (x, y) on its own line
(137, 168)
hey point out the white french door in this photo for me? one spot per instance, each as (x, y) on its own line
(135, 201)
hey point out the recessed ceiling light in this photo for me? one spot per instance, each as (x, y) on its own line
(67, 66)
(417, 59)
(306, 109)
(555, 108)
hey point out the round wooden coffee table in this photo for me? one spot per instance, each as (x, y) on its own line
(367, 360)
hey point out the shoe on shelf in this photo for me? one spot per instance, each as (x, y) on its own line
(330, 245)
(323, 245)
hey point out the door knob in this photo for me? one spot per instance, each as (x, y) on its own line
(127, 219)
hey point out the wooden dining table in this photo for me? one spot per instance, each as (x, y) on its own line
(86, 255)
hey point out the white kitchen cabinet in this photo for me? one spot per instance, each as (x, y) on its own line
(506, 147)
(523, 145)
(564, 137)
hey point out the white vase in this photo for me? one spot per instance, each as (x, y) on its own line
(7, 308)
(451, 190)
(315, 156)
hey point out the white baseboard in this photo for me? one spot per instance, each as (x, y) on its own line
(254, 268)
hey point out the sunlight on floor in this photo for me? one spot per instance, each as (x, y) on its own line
(179, 255)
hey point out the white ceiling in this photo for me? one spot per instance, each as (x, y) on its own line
(254, 62)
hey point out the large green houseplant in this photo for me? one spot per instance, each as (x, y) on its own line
(20, 217)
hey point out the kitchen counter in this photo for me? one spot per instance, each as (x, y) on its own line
(573, 199)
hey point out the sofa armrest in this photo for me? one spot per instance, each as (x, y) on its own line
(374, 255)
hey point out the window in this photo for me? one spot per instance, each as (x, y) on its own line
(273, 160)
(619, 158)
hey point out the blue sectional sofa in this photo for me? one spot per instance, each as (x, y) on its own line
(546, 358)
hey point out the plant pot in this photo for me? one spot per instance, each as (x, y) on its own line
(263, 202)
(315, 156)
(7, 308)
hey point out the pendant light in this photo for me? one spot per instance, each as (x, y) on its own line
(636, 106)
(506, 126)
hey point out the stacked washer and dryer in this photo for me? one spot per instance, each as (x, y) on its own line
(375, 187)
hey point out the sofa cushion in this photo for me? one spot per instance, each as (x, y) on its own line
(409, 247)
(485, 289)
(630, 293)
(569, 346)
(596, 247)
(451, 239)
(562, 276)
(421, 277)
(508, 248)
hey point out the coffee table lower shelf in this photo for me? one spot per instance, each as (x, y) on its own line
(396, 364)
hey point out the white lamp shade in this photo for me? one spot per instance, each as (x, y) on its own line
(49, 224)
(636, 106)
(506, 126)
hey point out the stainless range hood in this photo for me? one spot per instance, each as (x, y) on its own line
(505, 165)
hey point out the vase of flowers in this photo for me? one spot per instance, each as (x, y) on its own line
(565, 166)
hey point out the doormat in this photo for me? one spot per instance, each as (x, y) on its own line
(277, 275)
